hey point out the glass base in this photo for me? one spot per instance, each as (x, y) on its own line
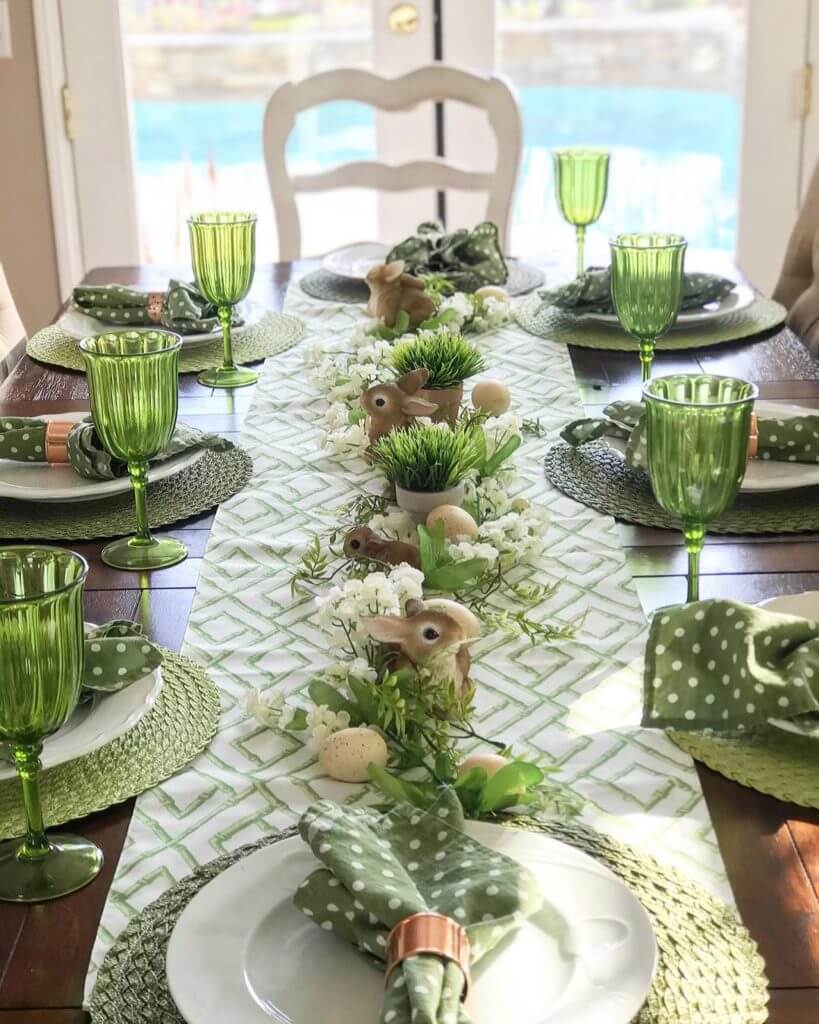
(71, 863)
(125, 554)
(238, 377)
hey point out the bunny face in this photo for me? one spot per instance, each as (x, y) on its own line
(383, 400)
(395, 404)
(428, 630)
(358, 542)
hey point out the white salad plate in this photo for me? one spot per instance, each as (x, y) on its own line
(355, 260)
(806, 606)
(97, 722)
(241, 953)
(40, 481)
(79, 325)
(740, 298)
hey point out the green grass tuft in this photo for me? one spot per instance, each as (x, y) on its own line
(448, 357)
(426, 457)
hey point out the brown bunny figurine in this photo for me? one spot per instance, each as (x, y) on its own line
(395, 404)
(362, 542)
(434, 634)
(391, 290)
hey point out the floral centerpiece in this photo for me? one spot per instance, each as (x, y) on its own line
(448, 359)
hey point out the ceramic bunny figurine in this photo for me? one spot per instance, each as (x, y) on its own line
(395, 404)
(391, 290)
(362, 542)
(435, 634)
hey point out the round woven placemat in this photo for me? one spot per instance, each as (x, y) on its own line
(773, 762)
(321, 284)
(180, 724)
(709, 970)
(274, 333)
(200, 487)
(557, 325)
(596, 476)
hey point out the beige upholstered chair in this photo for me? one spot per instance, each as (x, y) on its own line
(12, 332)
(437, 83)
(798, 284)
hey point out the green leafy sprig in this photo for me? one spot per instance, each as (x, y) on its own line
(449, 358)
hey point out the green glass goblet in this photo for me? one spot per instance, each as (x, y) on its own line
(697, 433)
(223, 253)
(646, 287)
(41, 666)
(581, 184)
(132, 379)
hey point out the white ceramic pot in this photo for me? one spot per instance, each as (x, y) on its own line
(418, 504)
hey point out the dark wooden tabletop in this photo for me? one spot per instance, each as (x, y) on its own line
(771, 849)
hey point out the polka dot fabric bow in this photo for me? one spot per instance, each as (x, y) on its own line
(117, 654)
(469, 259)
(727, 666)
(380, 869)
(184, 308)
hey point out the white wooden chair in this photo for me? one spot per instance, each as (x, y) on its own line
(12, 331)
(436, 83)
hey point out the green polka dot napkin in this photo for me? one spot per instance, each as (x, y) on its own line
(184, 308)
(723, 665)
(116, 654)
(591, 292)
(469, 259)
(380, 869)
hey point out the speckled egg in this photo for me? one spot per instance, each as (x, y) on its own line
(491, 763)
(457, 522)
(491, 396)
(492, 291)
(345, 754)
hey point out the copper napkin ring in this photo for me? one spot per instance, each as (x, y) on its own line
(429, 933)
(56, 440)
(753, 438)
(156, 300)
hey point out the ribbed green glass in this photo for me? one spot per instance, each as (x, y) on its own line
(581, 186)
(41, 667)
(646, 287)
(697, 432)
(223, 253)
(132, 379)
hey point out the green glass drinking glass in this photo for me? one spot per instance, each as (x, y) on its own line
(697, 434)
(132, 379)
(646, 287)
(223, 253)
(42, 650)
(581, 185)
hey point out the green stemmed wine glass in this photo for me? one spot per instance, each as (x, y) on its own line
(581, 184)
(697, 432)
(646, 287)
(223, 252)
(134, 401)
(42, 650)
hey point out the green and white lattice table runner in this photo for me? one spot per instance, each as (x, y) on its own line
(577, 703)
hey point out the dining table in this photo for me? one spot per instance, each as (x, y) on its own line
(770, 848)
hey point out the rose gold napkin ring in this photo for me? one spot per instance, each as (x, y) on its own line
(56, 440)
(753, 439)
(429, 933)
(156, 300)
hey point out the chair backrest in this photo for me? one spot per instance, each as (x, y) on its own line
(12, 331)
(436, 83)
(798, 285)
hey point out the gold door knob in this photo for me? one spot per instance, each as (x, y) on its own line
(403, 18)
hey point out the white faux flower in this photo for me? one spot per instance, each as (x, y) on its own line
(395, 525)
(408, 583)
(266, 711)
(337, 416)
(322, 722)
(347, 442)
(464, 309)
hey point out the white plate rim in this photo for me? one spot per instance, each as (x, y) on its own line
(744, 294)
(777, 604)
(343, 262)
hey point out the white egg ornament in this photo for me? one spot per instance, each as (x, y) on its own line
(491, 396)
(457, 522)
(491, 763)
(492, 291)
(345, 754)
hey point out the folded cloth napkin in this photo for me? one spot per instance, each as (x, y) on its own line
(469, 259)
(380, 869)
(184, 309)
(591, 292)
(23, 440)
(728, 666)
(793, 439)
(116, 654)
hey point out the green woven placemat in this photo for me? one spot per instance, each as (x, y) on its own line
(274, 333)
(557, 325)
(200, 487)
(180, 724)
(321, 284)
(709, 969)
(774, 762)
(595, 476)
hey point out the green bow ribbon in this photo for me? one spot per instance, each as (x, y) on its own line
(380, 869)
(23, 440)
(591, 292)
(184, 308)
(469, 259)
(116, 654)
(728, 666)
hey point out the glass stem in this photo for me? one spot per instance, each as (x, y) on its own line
(227, 344)
(646, 359)
(27, 763)
(139, 481)
(694, 534)
(581, 245)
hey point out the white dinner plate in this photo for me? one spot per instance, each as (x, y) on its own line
(241, 953)
(355, 260)
(806, 606)
(740, 298)
(40, 481)
(80, 325)
(97, 722)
